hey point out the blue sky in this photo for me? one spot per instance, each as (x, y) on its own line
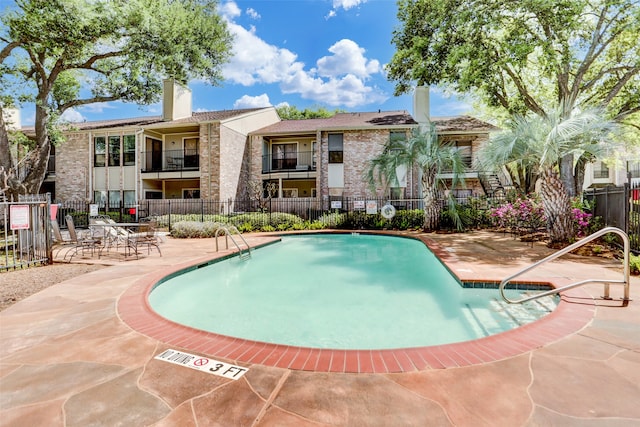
(304, 53)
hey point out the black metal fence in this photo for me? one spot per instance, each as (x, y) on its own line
(619, 207)
(24, 232)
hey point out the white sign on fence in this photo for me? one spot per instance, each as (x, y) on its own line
(19, 217)
(358, 204)
(372, 207)
(336, 204)
(93, 210)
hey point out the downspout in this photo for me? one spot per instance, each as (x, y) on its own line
(138, 166)
(319, 165)
(88, 193)
(208, 163)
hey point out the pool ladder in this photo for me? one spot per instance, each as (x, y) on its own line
(607, 282)
(243, 254)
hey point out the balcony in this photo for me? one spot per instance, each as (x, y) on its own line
(301, 161)
(170, 161)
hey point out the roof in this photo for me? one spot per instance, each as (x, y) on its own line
(156, 121)
(462, 124)
(380, 119)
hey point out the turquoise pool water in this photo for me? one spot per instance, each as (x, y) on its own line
(337, 291)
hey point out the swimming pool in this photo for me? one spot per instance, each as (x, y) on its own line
(338, 291)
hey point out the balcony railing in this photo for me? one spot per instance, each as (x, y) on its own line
(634, 169)
(171, 160)
(300, 161)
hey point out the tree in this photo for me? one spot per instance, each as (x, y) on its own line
(542, 141)
(524, 56)
(291, 112)
(425, 151)
(120, 49)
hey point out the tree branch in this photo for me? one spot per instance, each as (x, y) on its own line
(78, 102)
(6, 51)
(528, 100)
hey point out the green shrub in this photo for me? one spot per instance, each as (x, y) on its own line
(267, 228)
(634, 264)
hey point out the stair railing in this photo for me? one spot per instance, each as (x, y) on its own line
(607, 282)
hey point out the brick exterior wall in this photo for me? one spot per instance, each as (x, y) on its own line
(359, 147)
(72, 166)
(210, 161)
(231, 154)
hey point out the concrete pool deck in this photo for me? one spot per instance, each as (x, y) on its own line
(68, 358)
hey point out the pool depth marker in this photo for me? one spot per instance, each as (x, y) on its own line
(203, 364)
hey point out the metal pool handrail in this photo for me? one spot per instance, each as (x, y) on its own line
(577, 244)
(228, 232)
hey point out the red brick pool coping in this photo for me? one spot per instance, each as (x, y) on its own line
(570, 316)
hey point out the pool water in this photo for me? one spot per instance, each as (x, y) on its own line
(338, 291)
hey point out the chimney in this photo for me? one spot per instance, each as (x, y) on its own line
(176, 101)
(421, 105)
(12, 118)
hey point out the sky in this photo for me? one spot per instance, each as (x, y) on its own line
(302, 53)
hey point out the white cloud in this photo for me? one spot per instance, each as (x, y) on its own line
(97, 107)
(72, 116)
(347, 4)
(255, 61)
(247, 101)
(229, 10)
(348, 58)
(283, 104)
(253, 14)
(343, 4)
(338, 79)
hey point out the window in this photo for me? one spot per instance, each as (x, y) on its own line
(464, 150)
(396, 193)
(600, 170)
(100, 197)
(129, 150)
(191, 159)
(284, 156)
(129, 197)
(335, 148)
(99, 151)
(397, 136)
(190, 193)
(114, 199)
(114, 151)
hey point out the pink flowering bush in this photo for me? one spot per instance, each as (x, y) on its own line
(527, 212)
(583, 221)
(522, 212)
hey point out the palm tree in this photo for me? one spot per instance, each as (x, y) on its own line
(543, 141)
(431, 157)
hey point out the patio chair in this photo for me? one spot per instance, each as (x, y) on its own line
(114, 235)
(147, 235)
(79, 242)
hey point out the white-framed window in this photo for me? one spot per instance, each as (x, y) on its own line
(336, 148)
(129, 150)
(99, 151)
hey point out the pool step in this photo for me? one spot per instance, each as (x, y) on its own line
(501, 315)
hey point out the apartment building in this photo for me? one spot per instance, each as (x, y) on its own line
(227, 154)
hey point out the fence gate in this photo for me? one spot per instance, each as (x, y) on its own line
(25, 233)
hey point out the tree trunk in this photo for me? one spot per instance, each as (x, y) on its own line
(557, 208)
(581, 164)
(430, 199)
(566, 174)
